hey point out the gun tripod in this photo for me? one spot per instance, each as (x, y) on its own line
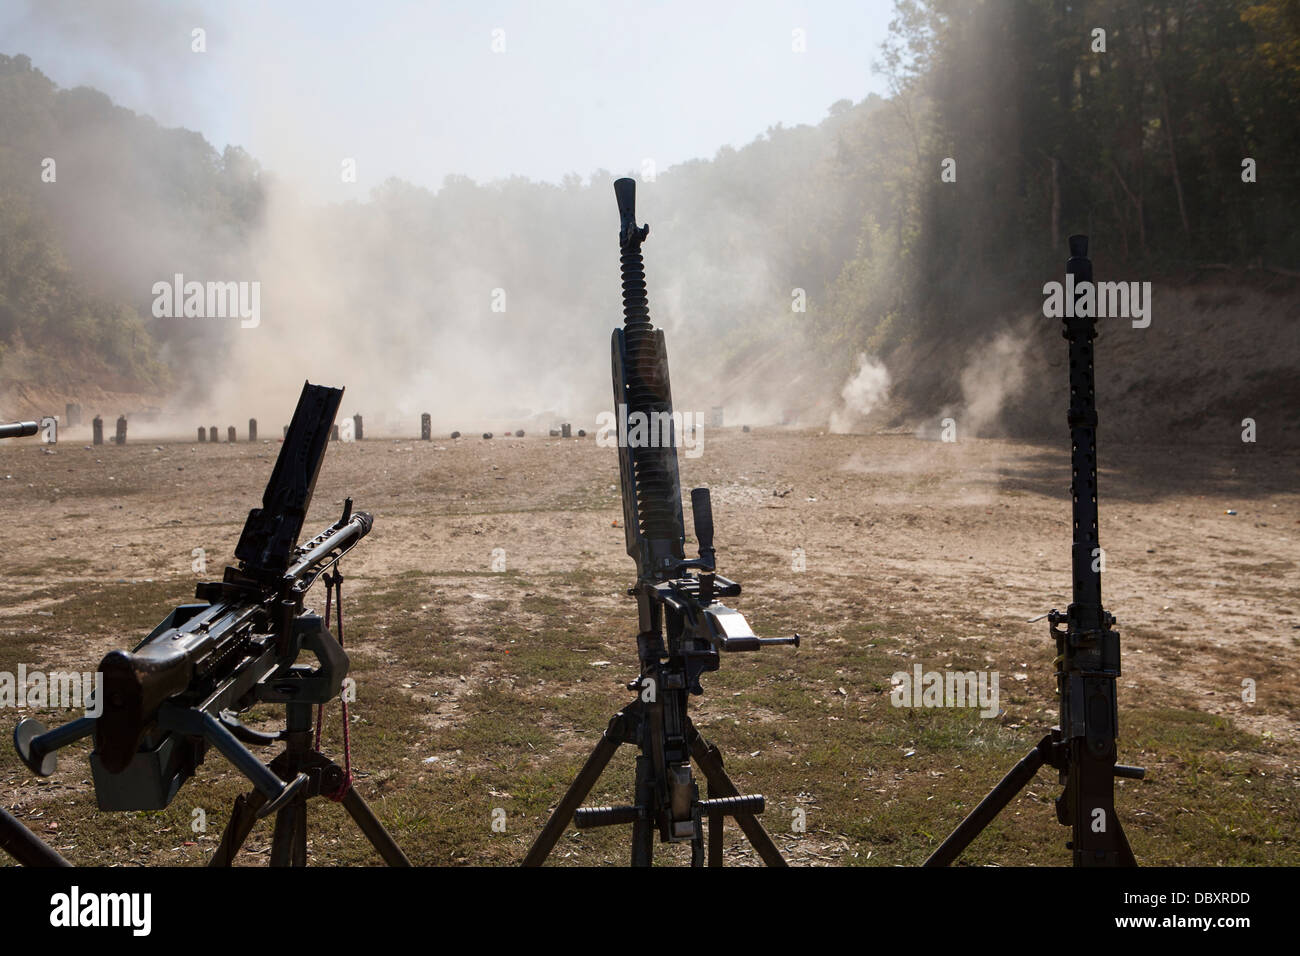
(322, 777)
(666, 795)
(1109, 847)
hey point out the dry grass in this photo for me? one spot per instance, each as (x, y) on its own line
(481, 690)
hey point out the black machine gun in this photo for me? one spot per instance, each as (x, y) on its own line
(179, 692)
(683, 627)
(18, 429)
(1083, 747)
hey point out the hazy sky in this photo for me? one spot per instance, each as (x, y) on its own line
(416, 90)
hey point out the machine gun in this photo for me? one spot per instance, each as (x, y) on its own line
(683, 627)
(18, 429)
(1083, 747)
(180, 690)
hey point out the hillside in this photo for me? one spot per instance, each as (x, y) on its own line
(911, 233)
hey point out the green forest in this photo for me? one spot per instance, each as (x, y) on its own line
(1164, 129)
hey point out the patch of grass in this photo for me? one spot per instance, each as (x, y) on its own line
(470, 704)
(49, 568)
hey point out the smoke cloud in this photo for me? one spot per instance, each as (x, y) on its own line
(487, 304)
(862, 394)
(993, 376)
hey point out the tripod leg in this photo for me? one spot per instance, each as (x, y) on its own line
(576, 793)
(643, 831)
(282, 838)
(24, 845)
(643, 843)
(990, 806)
(242, 818)
(379, 837)
(289, 843)
(697, 846)
(715, 838)
(710, 761)
(300, 837)
(1126, 857)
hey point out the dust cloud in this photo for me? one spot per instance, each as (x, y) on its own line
(862, 394)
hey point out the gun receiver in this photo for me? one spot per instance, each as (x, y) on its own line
(177, 692)
(18, 429)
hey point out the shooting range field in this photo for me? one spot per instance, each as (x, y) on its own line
(480, 690)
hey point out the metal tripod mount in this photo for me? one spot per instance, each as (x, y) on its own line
(324, 778)
(315, 774)
(683, 628)
(1083, 747)
(667, 797)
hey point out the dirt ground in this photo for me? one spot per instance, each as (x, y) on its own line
(482, 690)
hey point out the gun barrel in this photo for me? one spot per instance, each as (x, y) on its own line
(652, 497)
(330, 545)
(1080, 330)
(18, 429)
